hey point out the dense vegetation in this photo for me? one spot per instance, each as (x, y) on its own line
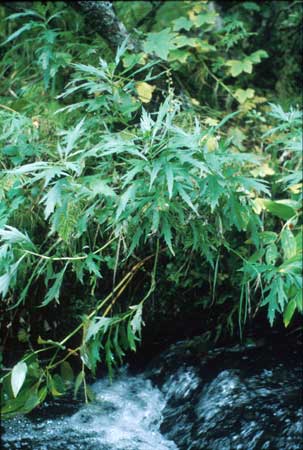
(150, 179)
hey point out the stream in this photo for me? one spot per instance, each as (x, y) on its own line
(237, 398)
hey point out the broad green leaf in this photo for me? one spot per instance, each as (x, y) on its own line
(271, 254)
(289, 244)
(256, 57)
(289, 312)
(160, 43)
(280, 208)
(243, 95)
(67, 372)
(268, 237)
(182, 23)
(237, 67)
(18, 377)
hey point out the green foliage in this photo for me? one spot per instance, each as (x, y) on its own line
(158, 174)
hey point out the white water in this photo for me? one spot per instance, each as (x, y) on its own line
(126, 415)
(227, 401)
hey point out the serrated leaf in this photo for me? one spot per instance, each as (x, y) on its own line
(166, 230)
(154, 172)
(100, 187)
(92, 266)
(52, 199)
(170, 179)
(160, 43)
(128, 195)
(136, 321)
(54, 292)
(72, 136)
(186, 198)
(18, 377)
(13, 236)
(96, 325)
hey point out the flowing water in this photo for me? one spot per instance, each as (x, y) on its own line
(229, 399)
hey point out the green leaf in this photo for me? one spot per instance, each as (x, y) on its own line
(131, 337)
(54, 292)
(92, 266)
(96, 325)
(170, 179)
(299, 300)
(4, 284)
(128, 195)
(256, 57)
(166, 230)
(289, 312)
(78, 382)
(268, 237)
(17, 33)
(289, 244)
(67, 372)
(18, 377)
(182, 23)
(13, 236)
(237, 67)
(271, 254)
(72, 137)
(154, 173)
(52, 199)
(238, 213)
(243, 95)
(136, 321)
(186, 198)
(284, 209)
(160, 43)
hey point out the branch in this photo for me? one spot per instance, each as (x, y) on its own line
(101, 17)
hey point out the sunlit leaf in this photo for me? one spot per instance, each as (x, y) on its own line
(18, 377)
